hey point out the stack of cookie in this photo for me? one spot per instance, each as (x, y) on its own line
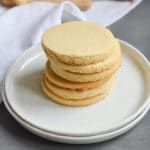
(83, 58)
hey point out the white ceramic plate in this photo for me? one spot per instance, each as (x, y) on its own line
(129, 96)
(75, 140)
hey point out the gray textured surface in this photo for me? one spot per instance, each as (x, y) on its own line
(134, 28)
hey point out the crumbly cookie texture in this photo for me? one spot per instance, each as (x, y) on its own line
(77, 77)
(91, 68)
(77, 95)
(79, 43)
(78, 86)
(71, 102)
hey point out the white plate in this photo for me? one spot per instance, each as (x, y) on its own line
(75, 140)
(129, 97)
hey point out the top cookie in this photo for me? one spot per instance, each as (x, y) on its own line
(79, 43)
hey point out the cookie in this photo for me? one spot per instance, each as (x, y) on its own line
(8, 3)
(78, 86)
(79, 43)
(77, 77)
(71, 102)
(77, 95)
(82, 4)
(19, 2)
(92, 68)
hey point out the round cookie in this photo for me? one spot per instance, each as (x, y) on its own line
(77, 95)
(19, 2)
(73, 103)
(91, 68)
(79, 43)
(79, 86)
(7, 3)
(77, 77)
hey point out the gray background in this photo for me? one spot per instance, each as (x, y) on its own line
(135, 29)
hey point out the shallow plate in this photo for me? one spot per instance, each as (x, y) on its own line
(129, 96)
(75, 140)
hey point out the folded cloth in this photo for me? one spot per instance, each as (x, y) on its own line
(22, 26)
